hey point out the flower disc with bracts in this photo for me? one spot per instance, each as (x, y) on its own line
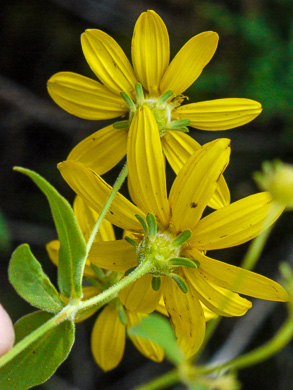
(168, 232)
(151, 81)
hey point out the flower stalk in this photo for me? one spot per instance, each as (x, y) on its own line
(69, 312)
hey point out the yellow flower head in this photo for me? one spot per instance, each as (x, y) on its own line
(109, 331)
(277, 178)
(178, 240)
(153, 82)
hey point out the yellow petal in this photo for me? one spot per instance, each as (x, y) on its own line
(89, 292)
(146, 165)
(178, 147)
(150, 50)
(208, 314)
(108, 61)
(84, 97)
(219, 300)
(186, 315)
(240, 280)
(95, 191)
(235, 224)
(53, 251)
(196, 183)
(87, 217)
(147, 347)
(189, 62)
(116, 255)
(108, 339)
(161, 307)
(102, 150)
(140, 296)
(219, 114)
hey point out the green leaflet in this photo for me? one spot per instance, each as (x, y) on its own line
(32, 284)
(72, 245)
(38, 362)
(159, 330)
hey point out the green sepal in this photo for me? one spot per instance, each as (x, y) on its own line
(121, 125)
(72, 253)
(131, 241)
(163, 98)
(176, 125)
(98, 271)
(152, 224)
(180, 282)
(182, 238)
(139, 94)
(183, 262)
(38, 362)
(143, 224)
(128, 101)
(159, 330)
(156, 283)
(31, 283)
(121, 314)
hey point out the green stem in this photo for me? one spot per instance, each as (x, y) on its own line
(118, 183)
(160, 383)
(69, 311)
(256, 247)
(112, 291)
(283, 337)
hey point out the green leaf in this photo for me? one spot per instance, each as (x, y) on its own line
(38, 362)
(32, 284)
(72, 251)
(159, 330)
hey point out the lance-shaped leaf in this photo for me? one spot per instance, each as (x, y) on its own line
(38, 362)
(159, 330)
(72, 245)
(32, 284)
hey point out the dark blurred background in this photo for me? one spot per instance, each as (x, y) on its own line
(254, 60)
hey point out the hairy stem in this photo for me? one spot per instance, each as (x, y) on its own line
(73, 307)
(118, 183)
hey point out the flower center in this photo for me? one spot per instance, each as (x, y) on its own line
(161, 108)
(163, 250)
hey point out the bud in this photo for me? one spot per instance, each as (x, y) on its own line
(277, 178)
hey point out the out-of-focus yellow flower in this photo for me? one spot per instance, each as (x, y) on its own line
(109, 331)
(277, 178)
(176, 254)
(153, 82)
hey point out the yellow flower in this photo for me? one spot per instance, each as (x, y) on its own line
(177, 246)
(153, 82)
(109, 331)
(277, 178)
